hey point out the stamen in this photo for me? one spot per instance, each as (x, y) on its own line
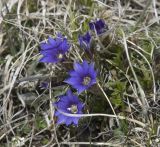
(60, 56)
(86, 80)
(73, 109)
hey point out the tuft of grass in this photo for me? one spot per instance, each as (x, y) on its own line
(122, 109)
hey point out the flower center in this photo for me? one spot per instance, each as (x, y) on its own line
(86, 80)
(60, 56)
(73, 109)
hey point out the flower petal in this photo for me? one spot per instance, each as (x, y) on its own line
(61, 119)
(75, 121)
(73, 80)
(99, 26)
(69, 121)
(85, 41)
(85, 67)
(53, 48)
(80, 72)
(78, 68)
(80, 88)
(52, 41)
(48, 59)
(63, 105)
(45, 46)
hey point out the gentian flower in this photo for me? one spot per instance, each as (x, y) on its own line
(44, 85)
(54, 50)
(68, 103)
(82, 77)
(85, 41)
(99, 26)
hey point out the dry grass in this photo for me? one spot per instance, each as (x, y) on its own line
(121, 110)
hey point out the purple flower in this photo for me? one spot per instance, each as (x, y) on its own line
(44, 85)
(82, 77)
(99, 26)
(68, 103)
(85, 41)
(54, 50)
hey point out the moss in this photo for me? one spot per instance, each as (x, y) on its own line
(86, 2)
(146, 45)
(32, 6)
(40, 122)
